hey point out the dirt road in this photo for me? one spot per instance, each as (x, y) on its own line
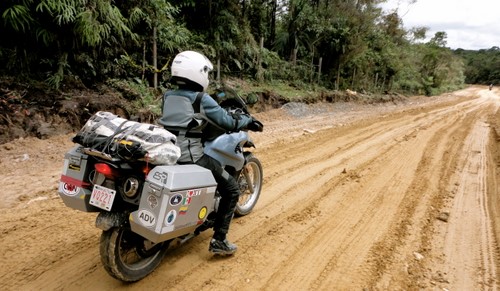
(356, 197)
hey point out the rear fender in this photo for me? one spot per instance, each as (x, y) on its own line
(108, 220)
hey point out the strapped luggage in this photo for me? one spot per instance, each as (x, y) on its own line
(119, 138)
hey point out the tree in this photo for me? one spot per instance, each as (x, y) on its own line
(155, 23)
(439, 39)
(440, 69)
(482, 67)
(359, 46)
(61, 33)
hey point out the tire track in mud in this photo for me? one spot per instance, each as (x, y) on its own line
(290, 152)
(282, 229)
(422, 274)
(465, 249)
(390, 180)
(471, 192)
(288, 165)
(322, 224)
(421, 206)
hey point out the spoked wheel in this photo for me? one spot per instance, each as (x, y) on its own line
(250, 182)
(128, 256)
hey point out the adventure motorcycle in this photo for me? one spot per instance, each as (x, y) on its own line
(144, 207)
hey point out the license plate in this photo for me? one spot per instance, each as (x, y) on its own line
(102, 197)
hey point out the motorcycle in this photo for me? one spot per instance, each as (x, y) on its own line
(142, 207)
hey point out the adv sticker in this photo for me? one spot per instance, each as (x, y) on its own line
(147, 218)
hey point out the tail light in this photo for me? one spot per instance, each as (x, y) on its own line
(106, 170)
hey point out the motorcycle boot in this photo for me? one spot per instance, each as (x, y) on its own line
(222, 247)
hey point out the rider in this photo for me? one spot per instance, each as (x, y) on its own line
(185, 112)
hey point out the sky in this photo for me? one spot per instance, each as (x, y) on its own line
(469, 24)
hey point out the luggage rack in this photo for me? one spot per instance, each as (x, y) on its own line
(107, 157)
(100, 154)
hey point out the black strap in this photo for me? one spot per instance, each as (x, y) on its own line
(196, 108)
(197, 102)
(235, 124)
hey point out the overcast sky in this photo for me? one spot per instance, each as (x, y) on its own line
(469, 24)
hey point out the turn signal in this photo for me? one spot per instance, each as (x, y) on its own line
(146, 170)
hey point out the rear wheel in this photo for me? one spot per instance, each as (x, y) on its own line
(128, 256)
(250, 182)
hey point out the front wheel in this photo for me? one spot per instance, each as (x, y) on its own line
(250, 182)
(128, 256)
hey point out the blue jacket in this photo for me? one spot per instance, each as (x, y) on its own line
(180, 117)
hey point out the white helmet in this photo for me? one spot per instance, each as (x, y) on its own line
(192, 66)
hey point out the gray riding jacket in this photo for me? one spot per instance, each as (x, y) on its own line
(181, 117)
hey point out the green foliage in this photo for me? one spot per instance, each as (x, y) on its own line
(139, 92)
(64, 11)
(360, 48)
(59, 31)
(481, 67)
(159, 15)
(17, 17)
(55, 79)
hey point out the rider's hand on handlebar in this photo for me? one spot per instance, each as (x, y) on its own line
(255, 125)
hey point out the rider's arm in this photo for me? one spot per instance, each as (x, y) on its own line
(221, 117)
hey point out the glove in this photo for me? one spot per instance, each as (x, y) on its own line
(255, 125)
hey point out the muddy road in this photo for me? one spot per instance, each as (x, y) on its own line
(355, 197)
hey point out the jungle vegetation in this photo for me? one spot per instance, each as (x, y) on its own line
(333, 44)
